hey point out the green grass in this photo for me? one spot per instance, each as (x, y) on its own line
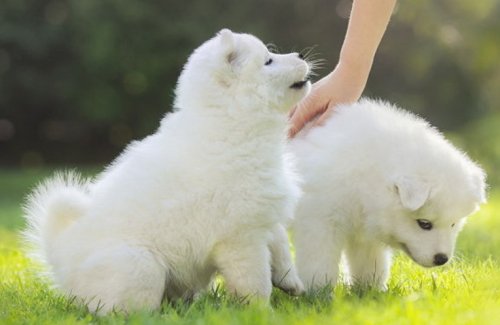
(465, 292)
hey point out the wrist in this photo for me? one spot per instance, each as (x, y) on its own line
(346, 82)
(355, 67)
(351, 76)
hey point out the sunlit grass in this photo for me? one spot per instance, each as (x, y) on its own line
(465, 292)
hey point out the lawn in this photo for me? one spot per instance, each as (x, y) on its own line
(465, 292)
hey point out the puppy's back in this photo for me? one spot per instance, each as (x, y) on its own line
(372, 142)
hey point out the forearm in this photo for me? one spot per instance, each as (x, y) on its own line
(367, 24)
(345, 84)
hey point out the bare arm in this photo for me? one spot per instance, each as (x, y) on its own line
(345, 84)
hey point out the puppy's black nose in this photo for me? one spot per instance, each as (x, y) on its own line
(440, 259)
(301, 56)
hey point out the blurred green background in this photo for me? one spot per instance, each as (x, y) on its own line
(81, 78)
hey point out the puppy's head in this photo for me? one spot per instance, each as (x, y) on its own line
(432, 211)
(238, 70)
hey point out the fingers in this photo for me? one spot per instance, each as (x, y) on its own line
(290, 114)
(304, 112)
(324, 117)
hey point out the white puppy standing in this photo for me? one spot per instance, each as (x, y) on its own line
(208, 192)
(376, 178)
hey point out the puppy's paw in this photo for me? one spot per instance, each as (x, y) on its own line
(289, 282)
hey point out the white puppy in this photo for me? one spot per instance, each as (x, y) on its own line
(376, 178)
(207, 193)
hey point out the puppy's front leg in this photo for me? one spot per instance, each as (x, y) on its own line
(318, 249)
(284, 273)
(245, 265)
(369, 264)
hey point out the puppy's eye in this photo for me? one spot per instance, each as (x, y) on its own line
(268, 62)
(424, 224)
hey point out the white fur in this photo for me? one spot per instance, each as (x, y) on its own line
(369, 173)
(208, 192)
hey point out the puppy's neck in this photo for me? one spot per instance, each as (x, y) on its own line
(239, 125)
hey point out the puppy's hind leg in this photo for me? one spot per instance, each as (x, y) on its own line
(123, 278)
(284, 273)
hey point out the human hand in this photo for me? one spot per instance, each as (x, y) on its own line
(343, 85)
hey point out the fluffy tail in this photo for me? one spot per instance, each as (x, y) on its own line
(53, 206)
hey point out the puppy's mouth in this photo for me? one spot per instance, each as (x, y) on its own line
(405, 249)
(300, 84)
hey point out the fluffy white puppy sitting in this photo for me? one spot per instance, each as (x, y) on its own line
(375, 178)
(206, 193)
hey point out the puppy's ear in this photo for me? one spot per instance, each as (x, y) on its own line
(413, 192)
(226, 36)
(228, 45)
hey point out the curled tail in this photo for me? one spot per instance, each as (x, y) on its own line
(53, 206)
